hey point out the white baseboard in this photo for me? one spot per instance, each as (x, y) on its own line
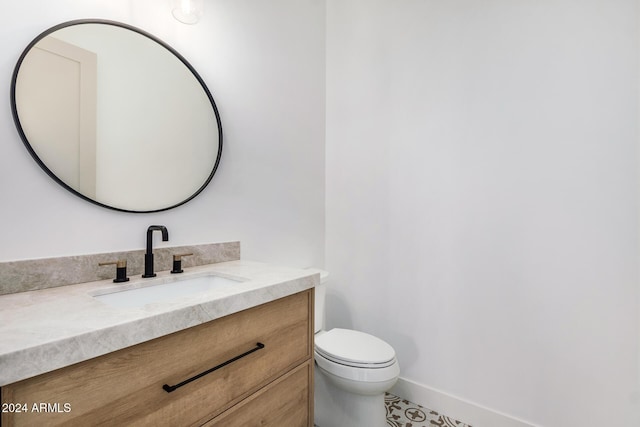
(454, 407)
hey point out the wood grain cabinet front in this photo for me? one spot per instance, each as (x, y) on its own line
(261, 356)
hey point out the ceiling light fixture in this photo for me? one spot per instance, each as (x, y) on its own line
(187, 11)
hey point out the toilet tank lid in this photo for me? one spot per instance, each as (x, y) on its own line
(324, 275)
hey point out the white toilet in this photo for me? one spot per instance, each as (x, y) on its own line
(353, 370)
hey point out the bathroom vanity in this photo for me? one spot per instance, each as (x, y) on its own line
(236, 355)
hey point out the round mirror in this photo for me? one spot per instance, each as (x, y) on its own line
(116, 116)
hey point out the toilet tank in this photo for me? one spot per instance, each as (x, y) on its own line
(320, 294)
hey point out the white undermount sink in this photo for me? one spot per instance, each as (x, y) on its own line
(164, 292)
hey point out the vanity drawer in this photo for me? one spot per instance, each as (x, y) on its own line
(126, 387)
(285, 402)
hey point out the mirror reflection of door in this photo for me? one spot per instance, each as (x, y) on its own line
(60, 86)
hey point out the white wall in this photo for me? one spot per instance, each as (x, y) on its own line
(264, 64)
(482, 198)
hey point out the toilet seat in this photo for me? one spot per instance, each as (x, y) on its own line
(354, 348)
(355, 355)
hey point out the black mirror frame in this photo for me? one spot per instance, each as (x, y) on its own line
(27, 144)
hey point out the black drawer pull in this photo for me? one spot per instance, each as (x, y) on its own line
(169, 388)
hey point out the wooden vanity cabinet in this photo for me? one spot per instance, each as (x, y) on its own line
(270, 386)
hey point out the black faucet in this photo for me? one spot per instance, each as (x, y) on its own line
(148, 257)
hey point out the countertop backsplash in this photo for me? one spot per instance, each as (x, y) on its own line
(30, 275)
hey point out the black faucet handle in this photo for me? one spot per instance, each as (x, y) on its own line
(121, 270)
(177, 262)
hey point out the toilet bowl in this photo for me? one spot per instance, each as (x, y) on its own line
(352, 372)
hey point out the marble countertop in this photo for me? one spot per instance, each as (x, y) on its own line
(47, 329)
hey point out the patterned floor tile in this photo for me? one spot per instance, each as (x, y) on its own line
(402, 413)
